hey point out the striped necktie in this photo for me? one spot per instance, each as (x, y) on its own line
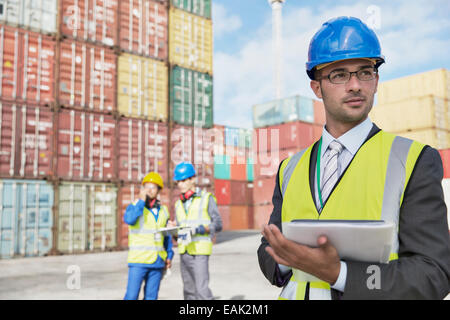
(330, 174)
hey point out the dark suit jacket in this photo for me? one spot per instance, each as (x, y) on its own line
(423, 268)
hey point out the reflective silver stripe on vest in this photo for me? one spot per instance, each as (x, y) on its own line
(187, 222)
(143, 231)
(289, 169)
(146, 248)
(141, 220)
(201, 238)
(289, 291)
(395, 182)
(200, 208)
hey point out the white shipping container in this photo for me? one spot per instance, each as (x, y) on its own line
(39, 16)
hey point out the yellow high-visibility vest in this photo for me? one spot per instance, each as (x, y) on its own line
(196, 215)
(371, 188)
(145, 243)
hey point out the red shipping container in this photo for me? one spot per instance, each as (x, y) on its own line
(222, 191)
(93, 20)
(87, 76)
(239, 192)
(86, 146)
(262, 215)
(144, 28)
(142, 148)
(225, 215)
(217, 134)
(238, 217)
(26, 141)
(319, 112)
(445, 155)
(267, 164)
(27, 63)
(238, 168)
(263, 190)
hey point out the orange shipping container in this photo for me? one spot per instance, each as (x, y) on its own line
(261, 214)
(239, 217)
(143, 28)
(263, 189)
(27, 62)
(225, 215)
(87, 76)
(319, 112)
(93, 20)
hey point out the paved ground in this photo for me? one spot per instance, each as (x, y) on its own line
(234, 274)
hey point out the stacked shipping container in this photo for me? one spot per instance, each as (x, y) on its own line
(84, 105)
(282, 128)
(233, 172)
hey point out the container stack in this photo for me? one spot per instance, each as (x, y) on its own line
(417, 107)
(91, 93)
(233, 172)
(282, 128)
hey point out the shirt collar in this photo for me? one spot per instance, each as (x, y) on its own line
(351, 140)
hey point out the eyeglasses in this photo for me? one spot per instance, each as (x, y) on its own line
(342, 76)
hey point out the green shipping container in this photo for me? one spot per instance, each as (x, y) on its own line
(191, 97)
(222, 168)
(198, 7)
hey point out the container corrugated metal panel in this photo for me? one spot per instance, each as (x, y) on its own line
(191, 100)
(35, 83)
(263, 190)
(436, 138)
(261, 214)
(198, 7)
(238, 168)
(26, 141)
(435, 82)
(87, 76)
(222, 191)
(222, 169)
(239, 192)
(267, 163)
(143, 28)
(142, 148)
(224, 212)
(445, 155)
(238, 137)
(26, 218)
(86, 146)
(90, 20)
(39, 16)
(250, 169)
(142, 87)
(283, 110)
(127, 195)
(238, 217)
(86, 217)
(190, 41)
(446, 189)
(411, 114)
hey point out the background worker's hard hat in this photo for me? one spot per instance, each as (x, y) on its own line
(155, 178)
(342, 38)
(183, 170)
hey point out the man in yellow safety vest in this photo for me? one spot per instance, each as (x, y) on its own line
(197, 211)
(357, 172)
(149, 252)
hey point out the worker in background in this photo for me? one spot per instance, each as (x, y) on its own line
(149, 253)
(198, 210)
(356, 171)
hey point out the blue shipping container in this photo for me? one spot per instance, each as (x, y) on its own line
(26, 218)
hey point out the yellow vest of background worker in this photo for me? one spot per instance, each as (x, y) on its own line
(145, 243)
(197, 215)
(371, 188)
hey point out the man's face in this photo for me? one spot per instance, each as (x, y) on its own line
(185, 185)
(151, 189)
(348, 102)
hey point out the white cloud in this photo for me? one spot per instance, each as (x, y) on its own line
(223, 21)
(242, 79)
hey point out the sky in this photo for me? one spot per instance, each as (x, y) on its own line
(414, 37)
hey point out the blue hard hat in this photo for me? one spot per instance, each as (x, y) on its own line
(183, 170)
(343, 38)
